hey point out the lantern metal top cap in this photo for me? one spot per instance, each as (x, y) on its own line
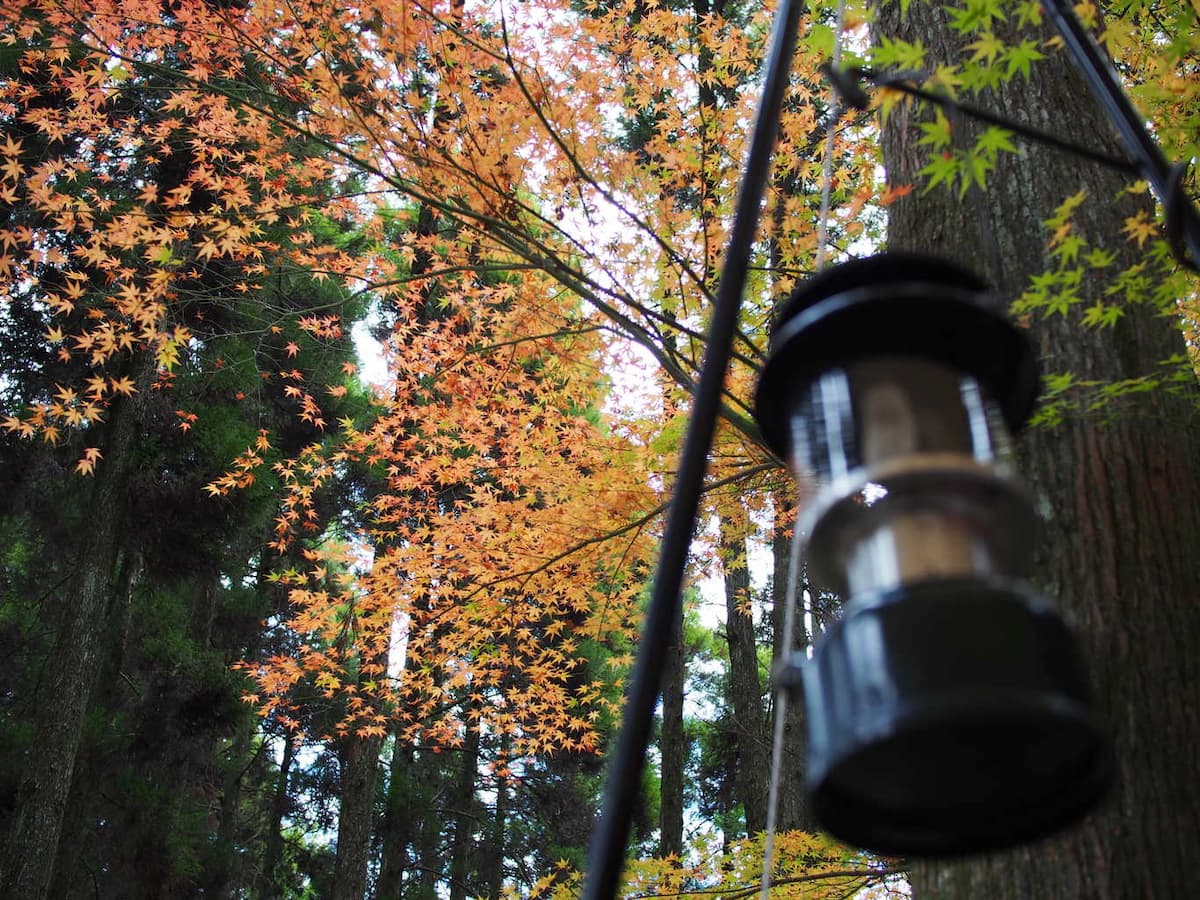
(894, 304)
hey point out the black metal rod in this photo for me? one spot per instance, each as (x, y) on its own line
(1130, 125)
(606, 855)
(901, 83)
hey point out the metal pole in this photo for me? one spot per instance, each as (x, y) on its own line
(1129, 123)
(606, 854)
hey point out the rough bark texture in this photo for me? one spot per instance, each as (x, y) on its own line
(356, 819)
(745, 688)
(395, 829)
(672, 748)
(491, 866)
(1123, 501)
(273, 851)
(466, 814)
(67, 684)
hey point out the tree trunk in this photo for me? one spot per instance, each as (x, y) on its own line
(273, 851)
(672, 747)
(1122, 496)
(225, 872)
(63, 695)
(356, 818)
(491, 874)
(745, 689)
(395, 829)
(461, 850)
(793, 812)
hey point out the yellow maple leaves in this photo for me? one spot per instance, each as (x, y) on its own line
(512, 523)
(87, 463)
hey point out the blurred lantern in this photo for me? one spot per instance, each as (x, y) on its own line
(948, 709)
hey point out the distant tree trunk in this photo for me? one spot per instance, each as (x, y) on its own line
(395, 830)
(428, 842)
(745, 688)
(793, 812)
(491, 875)
(464, 811)
(672, 747)
(78, 656)
(356, 818)
(1119, 554)
(273, 850)
(217, 880)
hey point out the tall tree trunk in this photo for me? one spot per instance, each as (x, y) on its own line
(356, 818)
(395, 830)
(428, 842)
(672, 747)
(273, 850)
(1123, 496)
(224, 872)
(745, 688)
(78, 656)
(491, 874)
(461, 850)
(793, 812)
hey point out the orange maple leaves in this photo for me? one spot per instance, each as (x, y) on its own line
(510, 527)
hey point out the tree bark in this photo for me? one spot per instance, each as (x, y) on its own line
(356, 818)
(67, 685)
(672, 747)
(491, 875)
(745, 688)
(1122, 495)
(395, 829)
(793, 812)
(464, 817)
(273, 851)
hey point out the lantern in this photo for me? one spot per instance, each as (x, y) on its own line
(948, 709)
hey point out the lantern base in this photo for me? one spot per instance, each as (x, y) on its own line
(951, 717)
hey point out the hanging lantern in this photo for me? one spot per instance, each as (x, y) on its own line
(948, 709)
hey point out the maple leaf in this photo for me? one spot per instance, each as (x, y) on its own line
(1140, 227)
(87, 464)
(123, 385)
(186, 419)
(291, 348)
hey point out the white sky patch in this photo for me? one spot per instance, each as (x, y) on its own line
(372, 364)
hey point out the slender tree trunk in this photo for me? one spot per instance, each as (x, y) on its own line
(793, 812)
(356, 818)
(225, 871)
(491, 874)
(395, 830)
(428, 849)
(70, 676)
(461, 850)
(273, 850)
(745, 688)
(672, 747)
(1122, 497)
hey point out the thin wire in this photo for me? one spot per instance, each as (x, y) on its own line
(795, 562)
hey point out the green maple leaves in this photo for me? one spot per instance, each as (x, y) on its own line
(961, 168)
